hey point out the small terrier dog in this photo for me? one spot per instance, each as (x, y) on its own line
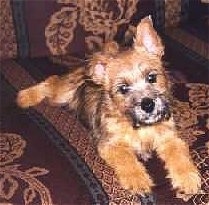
(123, 96)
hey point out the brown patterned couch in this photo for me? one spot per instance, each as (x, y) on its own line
(45, 153)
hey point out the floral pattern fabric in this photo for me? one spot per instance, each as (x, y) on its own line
(99, 19)
(13, 177)
(8, 44)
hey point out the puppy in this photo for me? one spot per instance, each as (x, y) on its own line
(123, 97)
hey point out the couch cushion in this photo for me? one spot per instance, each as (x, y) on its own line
(191, 116)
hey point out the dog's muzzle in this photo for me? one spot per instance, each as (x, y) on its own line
(148, 111)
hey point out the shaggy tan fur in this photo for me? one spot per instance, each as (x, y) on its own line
(97, 95)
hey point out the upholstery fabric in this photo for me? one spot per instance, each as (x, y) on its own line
(58, 27)
(8, 44)
(40, 28)
(73, 27)
(62, 130)
(46, 156)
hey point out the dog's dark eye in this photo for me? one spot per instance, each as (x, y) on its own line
(151, 78)
(124, 88)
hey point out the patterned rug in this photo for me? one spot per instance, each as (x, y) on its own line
(46, 156)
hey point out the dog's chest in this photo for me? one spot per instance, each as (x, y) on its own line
(143, 147)
(142, 142)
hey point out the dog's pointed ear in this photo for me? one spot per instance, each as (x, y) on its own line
(147, 38)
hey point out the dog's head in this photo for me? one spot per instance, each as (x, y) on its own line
(133, 81)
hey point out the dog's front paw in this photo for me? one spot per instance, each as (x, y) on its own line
(187, 183)
(136, 181)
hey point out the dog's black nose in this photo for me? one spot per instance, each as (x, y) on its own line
(148, 105)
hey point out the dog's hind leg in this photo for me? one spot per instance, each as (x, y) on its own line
(57, 90)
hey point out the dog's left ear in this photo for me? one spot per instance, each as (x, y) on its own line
(97, 68)
(147, 38)
(97, 73)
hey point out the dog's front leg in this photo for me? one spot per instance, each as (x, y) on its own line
(131, 173)
(181, 170)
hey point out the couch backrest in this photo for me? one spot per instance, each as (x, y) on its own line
(76, 27)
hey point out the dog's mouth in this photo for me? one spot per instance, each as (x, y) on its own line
(150, 111)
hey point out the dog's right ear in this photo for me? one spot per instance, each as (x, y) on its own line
(147, 38)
